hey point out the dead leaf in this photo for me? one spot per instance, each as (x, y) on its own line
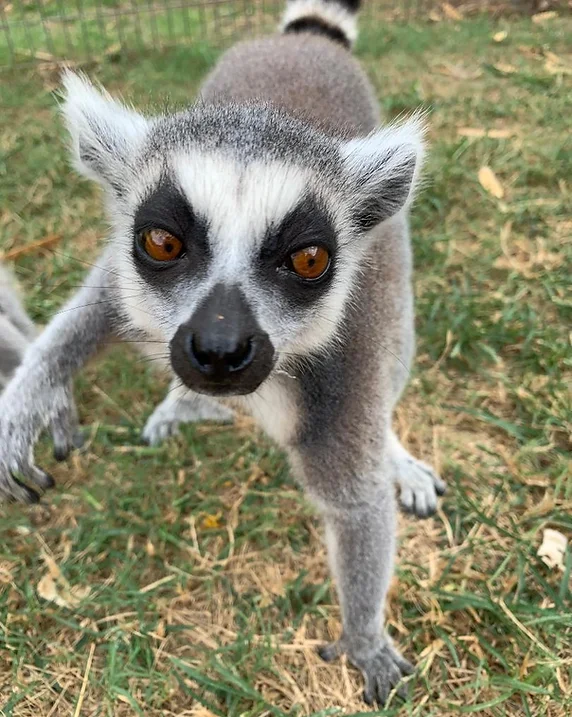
(473, 132)
(557, 68)
(459, 72)
(500, 133)
(541, 17)
(479, 133)
(505, 67)
(490, 183)
(500, 36)
(48, 241)
(451, 12)
(553, 549)
(54, 587)
(210, 522)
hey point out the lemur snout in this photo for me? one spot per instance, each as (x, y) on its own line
(222, 350)
(220, 357)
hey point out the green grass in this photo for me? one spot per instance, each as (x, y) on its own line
(209, 585)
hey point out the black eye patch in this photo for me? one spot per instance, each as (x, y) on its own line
(308, 224)
(167, 208)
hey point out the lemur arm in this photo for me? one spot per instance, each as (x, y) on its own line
(40, 393)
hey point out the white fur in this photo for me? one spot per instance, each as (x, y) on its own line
(273, 407)
(241, 201)
(99, 124)
(372, 160)
(331, 13)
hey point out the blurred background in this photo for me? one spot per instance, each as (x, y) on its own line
(90, 29)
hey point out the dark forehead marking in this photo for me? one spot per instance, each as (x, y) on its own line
(248, 131)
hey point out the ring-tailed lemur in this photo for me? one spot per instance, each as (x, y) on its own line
(16, 329)
(261, 237)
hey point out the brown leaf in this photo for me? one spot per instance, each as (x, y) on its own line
(479, 133)
(48, 241)
(490, 183)
(500, 133)
(54, 587)
(451, 12)
(473, 132)
(505, 67)
(541, 17)
(210, 522)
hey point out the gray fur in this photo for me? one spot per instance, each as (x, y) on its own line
(16, 329)
(280, 119)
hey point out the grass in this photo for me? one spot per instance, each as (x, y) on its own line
(208, 582)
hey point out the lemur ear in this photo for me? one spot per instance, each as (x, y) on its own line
(382, 169)
(104, 133)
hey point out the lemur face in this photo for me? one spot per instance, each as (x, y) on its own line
(239, 232)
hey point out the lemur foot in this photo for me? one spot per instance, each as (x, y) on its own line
(383, 668)
(166, 419)
(419, 485)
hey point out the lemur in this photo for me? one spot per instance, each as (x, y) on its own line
(16, 329)
(261, 238)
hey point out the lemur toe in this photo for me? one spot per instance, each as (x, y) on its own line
(383, 674)
(329, 652)
(21, 493)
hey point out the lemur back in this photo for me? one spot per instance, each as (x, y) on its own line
(305, 74)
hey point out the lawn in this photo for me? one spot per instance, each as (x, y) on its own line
(191, 579)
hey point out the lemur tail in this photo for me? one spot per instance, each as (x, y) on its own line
(336, 19)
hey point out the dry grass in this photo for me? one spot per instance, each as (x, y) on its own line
(209, 589)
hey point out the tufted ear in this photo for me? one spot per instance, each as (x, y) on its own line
(381, 171)
(104, 133)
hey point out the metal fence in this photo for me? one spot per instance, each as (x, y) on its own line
(79, 30)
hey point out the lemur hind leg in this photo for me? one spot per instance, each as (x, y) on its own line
(418, 483)
(181, 406)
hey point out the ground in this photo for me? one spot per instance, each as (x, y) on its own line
(191, 579)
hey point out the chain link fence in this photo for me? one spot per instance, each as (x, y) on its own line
(80, 30)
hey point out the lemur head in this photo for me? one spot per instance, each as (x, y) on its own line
(238, 231)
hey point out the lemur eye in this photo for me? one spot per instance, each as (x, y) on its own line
(160, 245)
(312, 262)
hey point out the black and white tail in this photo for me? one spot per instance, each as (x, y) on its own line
(336, 19)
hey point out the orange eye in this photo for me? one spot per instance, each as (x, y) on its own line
(160, 245)
(311, 262)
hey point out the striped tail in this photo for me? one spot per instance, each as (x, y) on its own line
(336, 19)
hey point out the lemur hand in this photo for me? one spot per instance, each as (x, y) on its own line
(24, 413)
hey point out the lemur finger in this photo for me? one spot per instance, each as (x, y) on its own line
(404, 665)
(407, 499)
(329, 652)
(65, 433)
(39, 477)
(440, 485)
(13, 489)
(421, 509)
(63, 447)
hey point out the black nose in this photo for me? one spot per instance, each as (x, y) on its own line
(217, 356)
(222, 350)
